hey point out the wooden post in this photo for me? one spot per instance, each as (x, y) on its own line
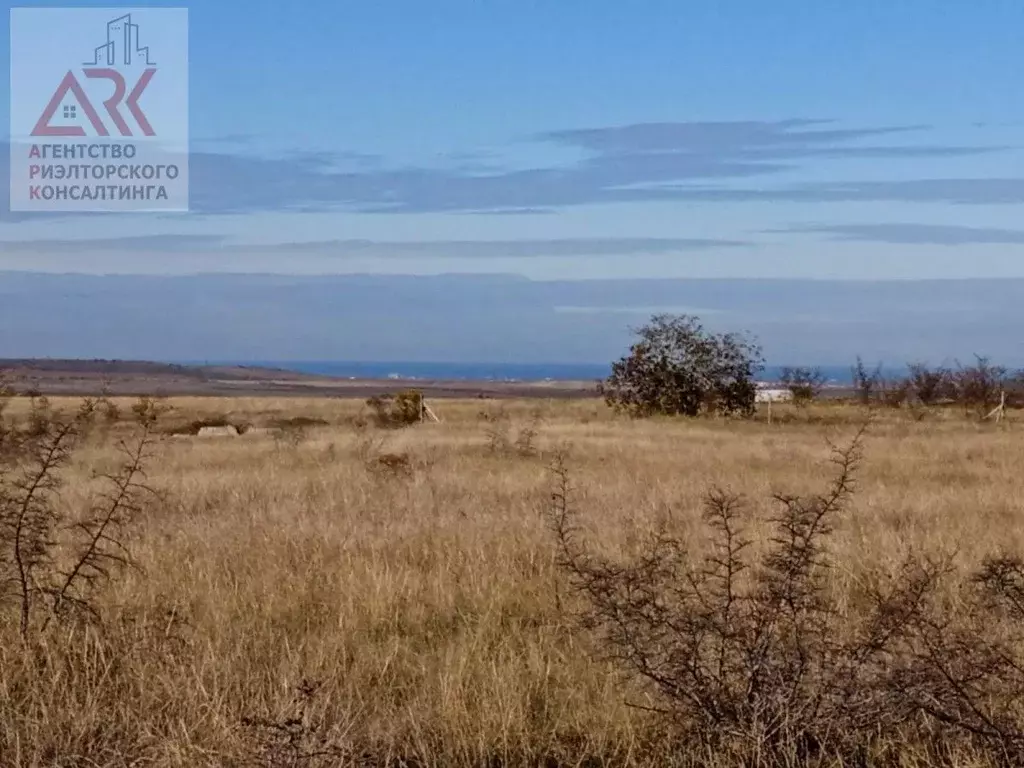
(429, 412)
(1000, 410)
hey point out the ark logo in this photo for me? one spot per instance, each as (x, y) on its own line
(99, 109)
(121, 47)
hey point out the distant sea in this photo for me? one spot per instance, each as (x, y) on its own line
(477, 371)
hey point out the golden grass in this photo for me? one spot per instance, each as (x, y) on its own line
(426, 607)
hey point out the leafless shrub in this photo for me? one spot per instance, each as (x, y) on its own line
(1015, 390)
(526, 439)
(977, 387)
(497, 428)
(99, 543)
(28, 515)
(805, 384)
(866, 383)
(505, 438)
(106, 406)
(960, 664)
(930, 386)
(147, 410)
(48, 562)
(760, 660)
(40, 416)
(895, 393)
(872, 388)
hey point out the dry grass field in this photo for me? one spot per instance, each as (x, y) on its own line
(344, 595)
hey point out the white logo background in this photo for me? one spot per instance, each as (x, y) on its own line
(47, 43)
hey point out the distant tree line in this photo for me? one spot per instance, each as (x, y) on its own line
(978, 387)
(677, 367)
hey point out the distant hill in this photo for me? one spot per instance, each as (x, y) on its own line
(139, 377)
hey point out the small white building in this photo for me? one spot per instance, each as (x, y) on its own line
(767, 395)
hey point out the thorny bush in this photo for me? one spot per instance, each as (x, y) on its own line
(52, 561)
(759, 659)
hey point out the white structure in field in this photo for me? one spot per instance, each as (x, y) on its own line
(225, 431)
(773, 395)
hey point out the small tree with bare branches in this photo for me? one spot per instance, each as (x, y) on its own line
(977, 387)
(50, 564)
(805, 384)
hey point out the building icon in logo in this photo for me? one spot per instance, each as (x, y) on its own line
(122, 45)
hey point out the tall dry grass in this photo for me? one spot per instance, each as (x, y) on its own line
(301, 602)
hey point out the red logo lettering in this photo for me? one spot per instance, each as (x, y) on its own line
(71, 85)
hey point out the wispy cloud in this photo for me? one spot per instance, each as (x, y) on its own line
(118, 244)
(959, 191)
(631, 163)
(628, 163)
(468, 249)
(912, 234)
(718, 138)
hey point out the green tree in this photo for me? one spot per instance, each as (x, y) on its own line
(676, 367)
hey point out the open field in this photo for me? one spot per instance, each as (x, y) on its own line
(410, 608)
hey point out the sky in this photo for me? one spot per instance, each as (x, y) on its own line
(651, 140)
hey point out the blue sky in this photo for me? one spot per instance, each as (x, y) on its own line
(583, 140)
(751, 139)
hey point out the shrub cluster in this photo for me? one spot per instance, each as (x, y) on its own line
(977, 388)
(399, 410)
